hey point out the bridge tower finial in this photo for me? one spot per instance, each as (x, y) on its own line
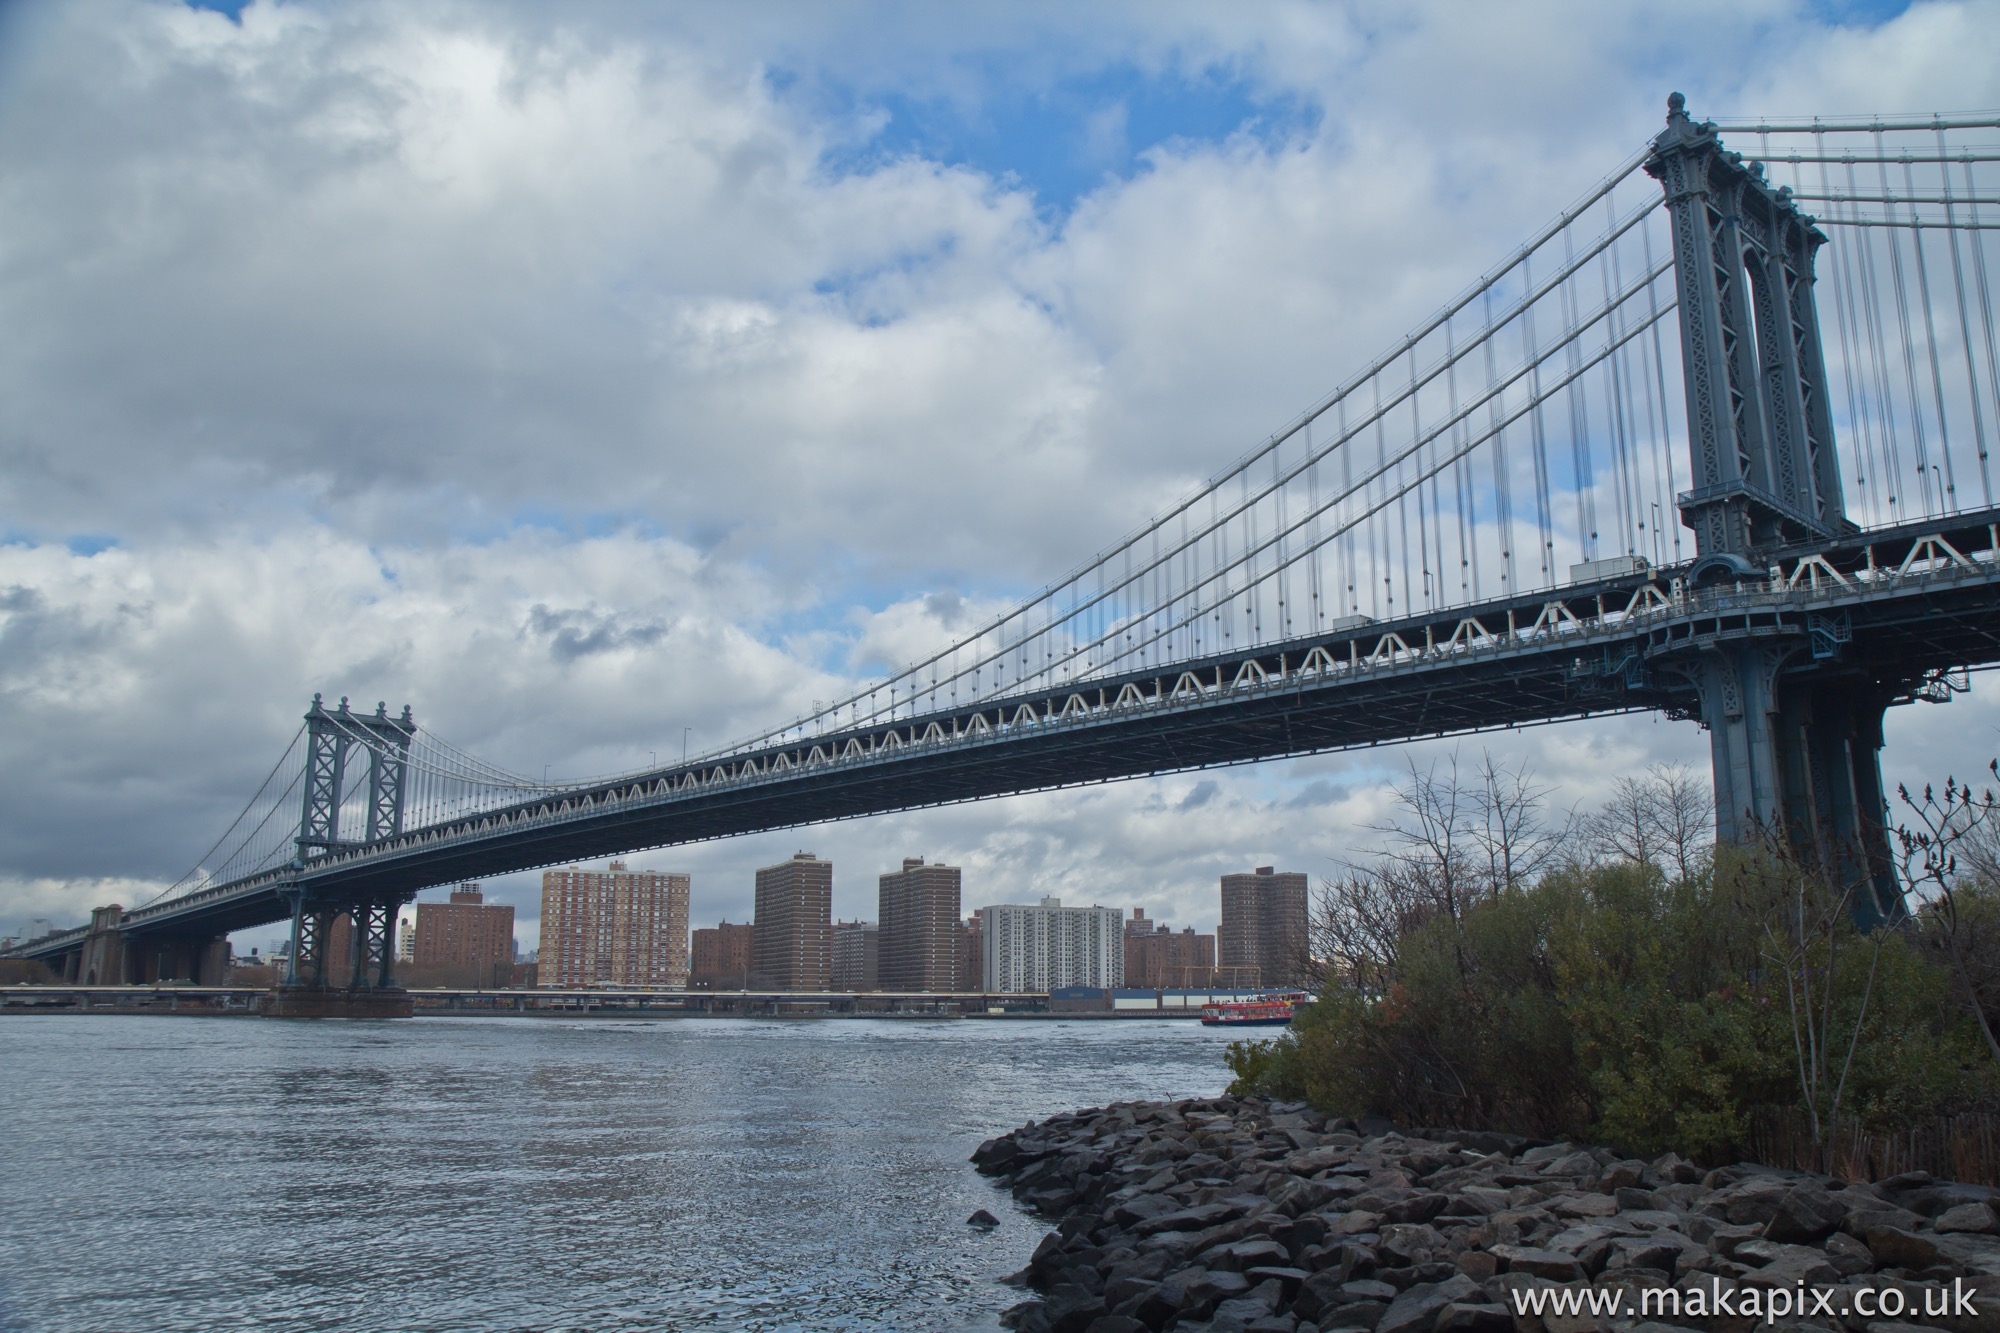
(330, 738)
(1759, 423)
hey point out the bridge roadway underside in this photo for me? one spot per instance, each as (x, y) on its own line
(1861, 629)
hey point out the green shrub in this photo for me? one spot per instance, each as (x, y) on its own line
(1611, 1003)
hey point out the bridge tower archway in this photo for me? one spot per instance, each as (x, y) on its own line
(336, 943)
(1795, 733)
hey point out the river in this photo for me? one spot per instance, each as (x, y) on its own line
(549, 1174)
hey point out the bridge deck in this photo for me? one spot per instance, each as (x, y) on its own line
(1889, 605)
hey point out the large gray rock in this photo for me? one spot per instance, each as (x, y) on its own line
(1755, 1202)
(1070, 1309)
(1895, 1248)
(1575, 1164)
(1357, 1223)
(1416, 1310)
(1238, 1256)
(1584, 1205)
(1198, 1218)
(1143, 1208)
(1973, 1217)
(1479, 1199)
(1421, 1208)
(1551, 1264)
(1848, 1255)
(1864, 1219)
(1281, 1322)
(1336, 1304)
(1654, 1252)
(1798, 1265)
(1976, 1254)
(1210, 1288)
(1261, 1300)
(1805, 1213)
(1547, 1153)
(1474, 1317)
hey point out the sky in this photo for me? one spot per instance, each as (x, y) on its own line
(596, 378)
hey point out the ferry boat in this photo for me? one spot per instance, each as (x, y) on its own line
(1271, 1010)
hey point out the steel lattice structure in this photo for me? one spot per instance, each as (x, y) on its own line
(1716, 441)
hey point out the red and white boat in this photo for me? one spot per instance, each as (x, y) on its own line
(1271, 1010)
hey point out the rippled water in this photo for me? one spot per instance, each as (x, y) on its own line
(550, 1174)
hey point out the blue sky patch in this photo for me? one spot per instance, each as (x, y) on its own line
(1066, 139)
(1856, 13)
(231, 9)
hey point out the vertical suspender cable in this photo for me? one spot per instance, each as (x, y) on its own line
(1403, 499)
(1468, 574)
(1871, 322)
(1502, 478)
(1661, 431)
(1965, 325)
(1976, 240)
(1545, 519)
(1861, 435)
(1617, 407)
(1347, 564)
(1582, 477)
(1950, 480)
(1919, 442)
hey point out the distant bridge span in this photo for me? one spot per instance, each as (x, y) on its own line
(1884, 617)
(1486, 528)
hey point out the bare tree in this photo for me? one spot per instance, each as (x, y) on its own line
(1623, 828)
(1943, 825)
(1803, 940)
(1684, 817)
(1511, 827)
(1662, 818)
(1454, 840)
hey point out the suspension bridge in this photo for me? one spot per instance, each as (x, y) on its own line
(1715, 442)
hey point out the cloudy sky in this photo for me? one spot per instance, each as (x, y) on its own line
(596, 377)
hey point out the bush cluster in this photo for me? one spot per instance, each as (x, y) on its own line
(1606, 988)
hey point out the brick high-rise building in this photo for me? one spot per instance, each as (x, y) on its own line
(722, 957)
(1161, 958)
(466, 935)
(857, 956)
(794, 943)
(920, 925)
(1264, 925)
(972, 952)
(615, 927)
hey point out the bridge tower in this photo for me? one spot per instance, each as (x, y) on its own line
(332, 737)
(1795, 732)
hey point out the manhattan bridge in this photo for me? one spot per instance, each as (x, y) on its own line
(1715, 443)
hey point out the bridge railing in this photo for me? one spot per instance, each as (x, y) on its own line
(1579, 615)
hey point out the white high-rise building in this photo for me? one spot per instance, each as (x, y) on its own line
(1048, 946)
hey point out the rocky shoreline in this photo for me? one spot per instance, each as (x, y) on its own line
(1238, 1215)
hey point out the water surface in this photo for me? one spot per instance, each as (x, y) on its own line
(169, 1173)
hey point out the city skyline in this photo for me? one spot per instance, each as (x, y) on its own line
(971, 901)
(734, 897)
